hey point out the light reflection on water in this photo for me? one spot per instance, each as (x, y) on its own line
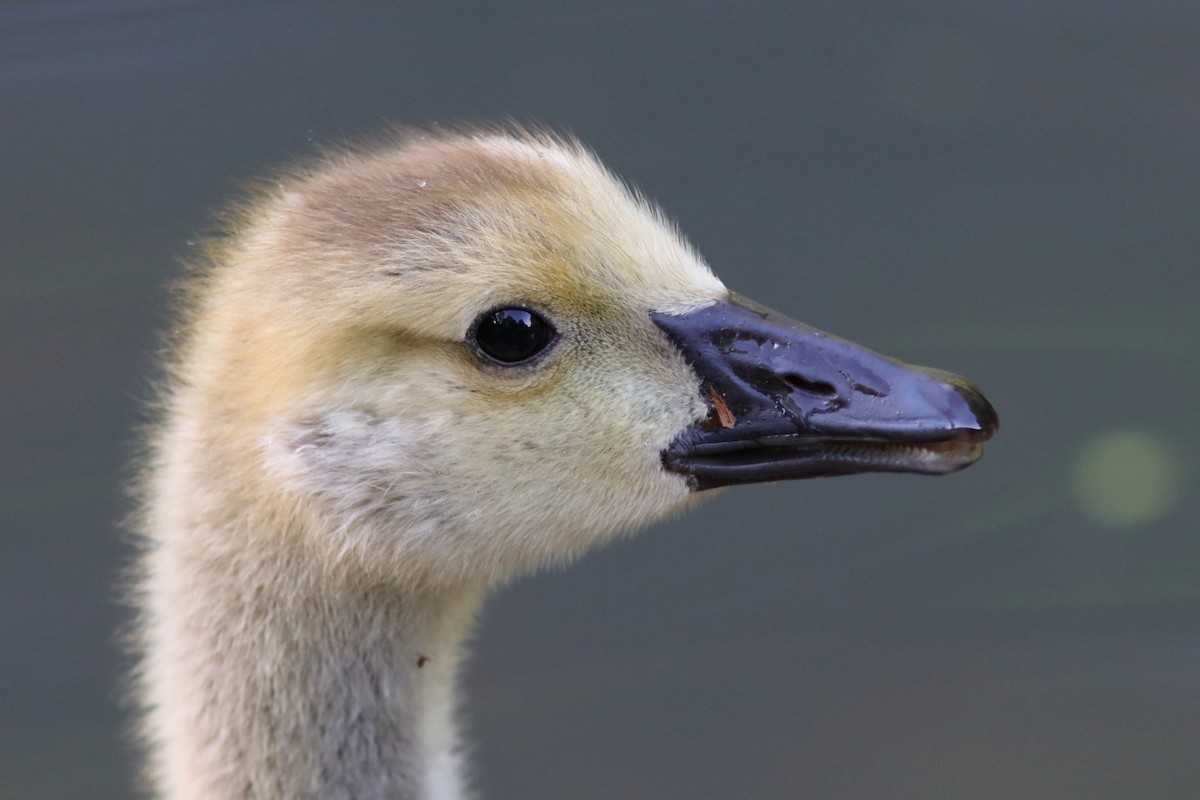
(1008, 195)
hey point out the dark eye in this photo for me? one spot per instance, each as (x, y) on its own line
(512, 335)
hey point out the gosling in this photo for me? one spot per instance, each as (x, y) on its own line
(408, 373)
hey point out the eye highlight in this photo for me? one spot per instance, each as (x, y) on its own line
(512, 335)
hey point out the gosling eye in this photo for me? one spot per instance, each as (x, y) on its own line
(512, 335)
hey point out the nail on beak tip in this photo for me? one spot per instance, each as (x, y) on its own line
(979, 417)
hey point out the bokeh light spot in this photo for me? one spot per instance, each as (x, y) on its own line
(1127, 477)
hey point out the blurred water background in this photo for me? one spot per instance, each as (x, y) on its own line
(1003, 188)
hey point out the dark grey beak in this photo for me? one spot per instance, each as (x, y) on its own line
(789, 401)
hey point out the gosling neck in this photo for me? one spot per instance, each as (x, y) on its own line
(266, 678)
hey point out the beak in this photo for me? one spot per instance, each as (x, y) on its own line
(789, 401)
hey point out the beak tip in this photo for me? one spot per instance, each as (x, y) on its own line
(981, 417)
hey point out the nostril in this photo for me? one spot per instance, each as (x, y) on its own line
(766, 380)
(818, 388)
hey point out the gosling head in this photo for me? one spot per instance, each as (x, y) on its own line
(464, 356)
